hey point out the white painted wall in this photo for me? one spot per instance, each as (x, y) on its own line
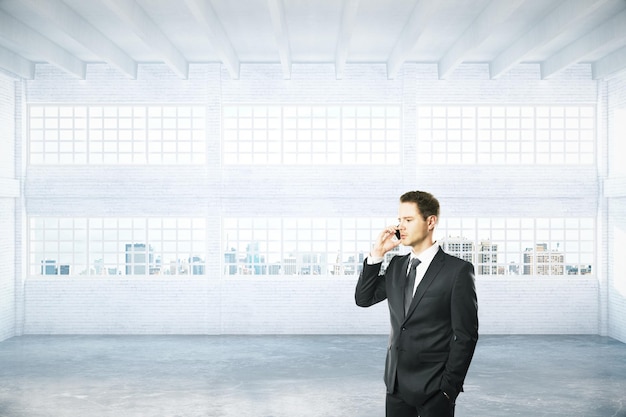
(615, 197)
(9, 190)
(617, 274)
(253, 305)
(228, 305)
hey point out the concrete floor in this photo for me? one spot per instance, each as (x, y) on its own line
(294, 376)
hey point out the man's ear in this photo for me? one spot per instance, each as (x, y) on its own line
(432, 222)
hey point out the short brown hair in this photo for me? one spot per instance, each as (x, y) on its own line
(427, 204)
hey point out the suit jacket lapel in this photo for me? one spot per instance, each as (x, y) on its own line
(432, 271)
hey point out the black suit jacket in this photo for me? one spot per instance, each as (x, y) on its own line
(430, 349)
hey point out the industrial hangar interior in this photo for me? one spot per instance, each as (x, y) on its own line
(188, 191)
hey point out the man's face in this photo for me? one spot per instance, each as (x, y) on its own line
(414, 230)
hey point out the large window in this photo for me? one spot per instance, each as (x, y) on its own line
(311, 135)
(298, 246)
(335, 246)
(522, 246)
(117, 246)
(506, 134)
(116, 134)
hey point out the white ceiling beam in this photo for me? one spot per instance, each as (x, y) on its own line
(496, 12)
(348, 20)
(564, 16)
(279, 22)
(204, 13)
(84, 33)
(18, 33)
(610, 34)
(610, 66)
(16, 64)
(139, 21)
(409, 36)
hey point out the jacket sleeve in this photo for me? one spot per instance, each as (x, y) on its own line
(370, 289)
(464, 315)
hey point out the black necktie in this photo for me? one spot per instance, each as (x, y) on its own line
(410, 283)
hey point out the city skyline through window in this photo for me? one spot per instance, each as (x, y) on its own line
(117, 246)
(298, 246)
(338, 246)
(294, 134)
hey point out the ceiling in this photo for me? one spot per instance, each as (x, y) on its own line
(72, 34)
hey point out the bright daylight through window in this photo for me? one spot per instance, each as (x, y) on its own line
(310, 135)
(117, 134)
(323, 246)
(550, 135)
(117, 246)
(305, 134)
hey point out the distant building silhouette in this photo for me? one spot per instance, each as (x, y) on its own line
(139, 259)
(460, 247)
(487, 261)
(197, 265)
(49, 267)
(542, 261)
(230, 261)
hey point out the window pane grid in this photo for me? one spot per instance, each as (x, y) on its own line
(521, 246)
(301, 134)
(302, 246)
(56, 133)
(338, 246)
(506, 134)
(116, 134)
(117, 246)
(298, 246)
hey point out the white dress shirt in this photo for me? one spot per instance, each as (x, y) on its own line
(425, 257)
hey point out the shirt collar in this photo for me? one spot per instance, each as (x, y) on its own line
(427, 255)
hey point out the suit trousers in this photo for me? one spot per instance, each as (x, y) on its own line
(437, 406)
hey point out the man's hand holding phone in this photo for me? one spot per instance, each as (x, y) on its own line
(388, 239)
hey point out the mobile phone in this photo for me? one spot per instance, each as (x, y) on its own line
(398, 234)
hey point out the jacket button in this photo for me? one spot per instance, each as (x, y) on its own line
(404, 328)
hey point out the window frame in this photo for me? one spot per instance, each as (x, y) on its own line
(116, 134)
(479, 134)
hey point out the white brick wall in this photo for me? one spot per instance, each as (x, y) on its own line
(121, 306)
(615, 191)
(197, 306)
(7, 275)
(287, 306)
(8, 192)
(538, 305)
(617, 273)
(256, 305)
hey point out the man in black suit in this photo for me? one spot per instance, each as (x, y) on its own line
(433, 310)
